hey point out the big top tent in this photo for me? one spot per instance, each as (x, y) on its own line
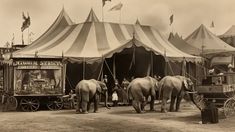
(93, 40)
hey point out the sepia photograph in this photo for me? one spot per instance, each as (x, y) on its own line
(117, 66)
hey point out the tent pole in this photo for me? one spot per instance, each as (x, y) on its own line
(166, 65)
(151, 53)
(100, 77)
(114, 66)
(84, 64)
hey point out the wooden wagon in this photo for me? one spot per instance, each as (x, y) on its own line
(30, 84)
(219, 90)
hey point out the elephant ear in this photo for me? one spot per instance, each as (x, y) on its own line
(102, 85)
(98, 88)
(185, 83)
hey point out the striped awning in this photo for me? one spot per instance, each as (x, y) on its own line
(94, 40)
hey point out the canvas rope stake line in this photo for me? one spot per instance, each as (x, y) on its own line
(109, 69)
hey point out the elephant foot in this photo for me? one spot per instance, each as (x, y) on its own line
(85, 112)
(152, 110)
(96, 111)
(78, 111)
(163, 111)
(171, 110)
(177, 110)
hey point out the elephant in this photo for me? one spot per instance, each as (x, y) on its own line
(139, 90)
(174, 87)
(88, 91)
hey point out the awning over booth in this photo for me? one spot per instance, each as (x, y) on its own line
(93, 40)
(222, 60)
(209, 43)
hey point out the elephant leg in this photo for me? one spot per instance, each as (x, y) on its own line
(179, 98)
(152, 103)
(136, 106)
(84, 107)
(96, 102)
(143, 103)
(88, 106)
(172, 103)
(163, 108)
(178, 103)
(78, 103)
(165, 97)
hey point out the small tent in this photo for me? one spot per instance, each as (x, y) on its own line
(179, 43)
(214, 49)
(229, 36)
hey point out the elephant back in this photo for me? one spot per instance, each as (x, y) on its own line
(170, 82)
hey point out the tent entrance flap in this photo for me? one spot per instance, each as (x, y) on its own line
(76, 72)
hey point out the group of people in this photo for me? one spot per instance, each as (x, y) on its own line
(119, 92)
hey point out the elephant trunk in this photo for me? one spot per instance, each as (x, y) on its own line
(106, 100)
(192, 99)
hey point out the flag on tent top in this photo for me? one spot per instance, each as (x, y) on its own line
(212, 24)
(26, 22)
(116, 7)
(103, 1)
(171, 19)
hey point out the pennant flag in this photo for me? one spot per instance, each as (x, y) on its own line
(171, 19)
(26, 22)
(103, 1)
(212, 24)
(116, 7)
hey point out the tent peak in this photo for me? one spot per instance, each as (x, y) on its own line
(177, 35)
(137, 22)
(92, 17)
(171, 36)
(63, 14)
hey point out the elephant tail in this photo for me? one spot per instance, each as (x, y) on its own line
(160, 86)
(130, 97)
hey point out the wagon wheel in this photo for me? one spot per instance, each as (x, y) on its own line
(229, 107)
(29, 104)
(55, 104)
(11, 103)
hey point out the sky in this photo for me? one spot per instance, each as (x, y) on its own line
(188, 15)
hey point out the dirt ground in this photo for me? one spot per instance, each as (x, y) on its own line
(116, 119)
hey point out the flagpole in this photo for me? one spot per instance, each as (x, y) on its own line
(22, 38)
(28, 35)
(102, 13)
(120, 15)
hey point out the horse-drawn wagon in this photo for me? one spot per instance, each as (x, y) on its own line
(219, 90)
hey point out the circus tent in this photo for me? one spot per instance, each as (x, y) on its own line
(229, 36)
(94, 48)
(182, 45)
(94, 40)
(207, 42)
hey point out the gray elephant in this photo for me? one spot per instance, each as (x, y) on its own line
(139, 90)
(88, 91)
(174, 87)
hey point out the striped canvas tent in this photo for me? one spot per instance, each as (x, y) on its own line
(229, 36)
(182, 45)
(207, 42)
(93, 40)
